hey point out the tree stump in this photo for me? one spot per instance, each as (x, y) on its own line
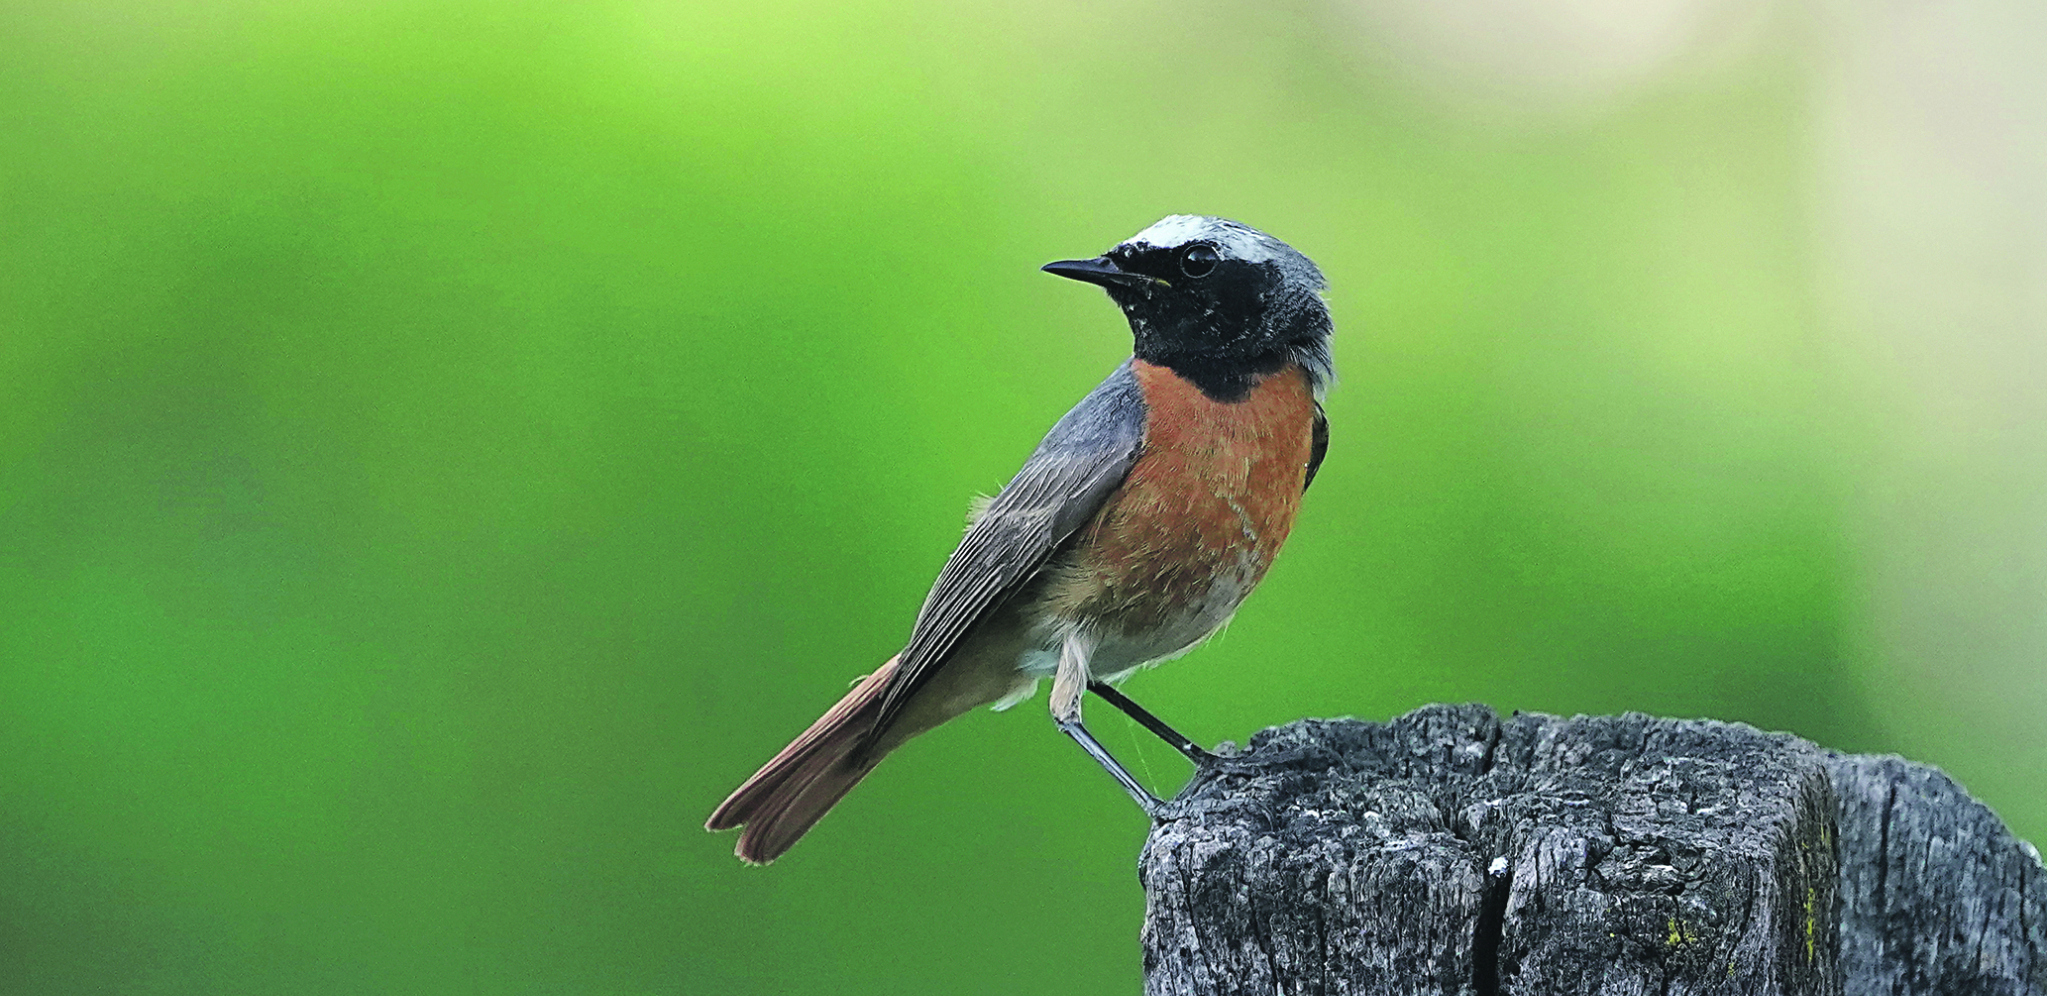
(1452, 852)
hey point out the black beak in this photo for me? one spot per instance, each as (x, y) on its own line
(1099, 270)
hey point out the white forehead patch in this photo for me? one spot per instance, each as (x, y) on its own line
(1235, 241)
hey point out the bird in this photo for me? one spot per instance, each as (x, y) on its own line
(1130, 535)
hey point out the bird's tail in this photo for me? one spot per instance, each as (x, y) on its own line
(789, 794)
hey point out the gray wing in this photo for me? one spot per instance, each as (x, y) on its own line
(1318, 447)
(1058, 490)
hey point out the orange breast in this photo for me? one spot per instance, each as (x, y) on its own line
(1206, 508)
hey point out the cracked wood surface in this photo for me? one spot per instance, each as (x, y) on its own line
(1452, 852)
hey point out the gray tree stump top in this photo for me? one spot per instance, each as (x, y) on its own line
(1452, 852)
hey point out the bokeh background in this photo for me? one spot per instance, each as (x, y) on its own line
(444, 446)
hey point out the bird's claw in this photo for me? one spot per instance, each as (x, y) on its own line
(1165, 810)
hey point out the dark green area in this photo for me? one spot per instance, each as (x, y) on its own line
(447, 446)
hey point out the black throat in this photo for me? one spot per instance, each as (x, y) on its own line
(1228, 379)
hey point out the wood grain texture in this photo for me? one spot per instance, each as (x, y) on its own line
(1452, 852)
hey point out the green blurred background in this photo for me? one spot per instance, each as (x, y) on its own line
(445, 446)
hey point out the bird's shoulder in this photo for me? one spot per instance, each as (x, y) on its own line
(1110, 416)
(1080, 462)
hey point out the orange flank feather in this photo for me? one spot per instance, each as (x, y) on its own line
(1211, 501)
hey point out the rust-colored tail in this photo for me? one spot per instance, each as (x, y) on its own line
(789, 794)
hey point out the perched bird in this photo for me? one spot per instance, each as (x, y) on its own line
(1131, 534)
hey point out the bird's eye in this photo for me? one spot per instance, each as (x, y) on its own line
(1199, 259)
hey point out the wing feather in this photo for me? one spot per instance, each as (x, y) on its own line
(1065, 481)
(1318, 446)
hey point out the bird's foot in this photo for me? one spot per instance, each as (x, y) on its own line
(1165, 810)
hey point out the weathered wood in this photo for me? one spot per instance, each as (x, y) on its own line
(1451, 852)
(1942, 898)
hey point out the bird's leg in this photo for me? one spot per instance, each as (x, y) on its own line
(1191, 750)
(1068, 684)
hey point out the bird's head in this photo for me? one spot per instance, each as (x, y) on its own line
(1218, 302)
